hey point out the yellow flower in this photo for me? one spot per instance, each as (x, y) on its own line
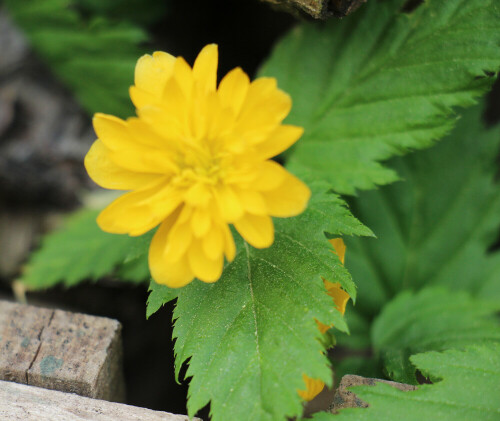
(196, 159)
(313, 388)
(340, 299)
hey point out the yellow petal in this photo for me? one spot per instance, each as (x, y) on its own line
(265, 107)
(270, 176)
(174, 103)
(144, 134)
(126, 151)
(180, 237)
(204, 268)
(145, 160)
(322, 327)
(233, 89)
(107, 174)
(228, 202)
(162, 123)
(213, 243)
(257, 230)
(200, 222)
(183, 76)
(340, 297)
(252, 202)
(313, 388)
(220, 121)
(174, 275)
(112, 131)
(207, 121)
(289, 199)
(339, 247)
(151, 73)
(279, 140)
(205, 68)
(229, 246)
(138, 212)
(141, 98)
(245, 175)
(198, 195)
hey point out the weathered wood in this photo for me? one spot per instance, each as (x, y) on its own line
(19, 402)
(346, 399)
(20, 330)
(320, 9)
(63, 351)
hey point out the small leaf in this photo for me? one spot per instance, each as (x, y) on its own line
(136, 270)
(432, 320)
(135, 265)
(158, 296)
(77, 251)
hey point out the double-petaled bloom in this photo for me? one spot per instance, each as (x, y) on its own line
(196, 160)
(340, 299)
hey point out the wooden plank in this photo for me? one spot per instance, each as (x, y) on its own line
(20, 330)
(60, 350)
(20, 402)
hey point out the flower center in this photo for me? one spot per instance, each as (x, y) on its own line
(197, 163)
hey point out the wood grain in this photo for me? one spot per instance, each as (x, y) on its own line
(20, 402)
(60, 350)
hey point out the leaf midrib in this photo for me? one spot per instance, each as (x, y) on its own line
(357, 81)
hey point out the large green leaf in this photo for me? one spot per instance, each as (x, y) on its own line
(79, 251)
(436, 227)
(382, 82)
(435, 319)
(466, 385)
(95, 59)
(250, 336)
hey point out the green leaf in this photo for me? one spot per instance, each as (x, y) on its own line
(466, 388)
(95, 59)
(436, 227)
(381, 82)
(158, 296)
(136, 270)
(245, 334)
(77, 251)
(135, 265)
(434, 319)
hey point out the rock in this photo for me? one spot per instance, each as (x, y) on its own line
(346, 399)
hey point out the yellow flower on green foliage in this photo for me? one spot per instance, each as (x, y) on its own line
(340, 299)
(195, 160)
